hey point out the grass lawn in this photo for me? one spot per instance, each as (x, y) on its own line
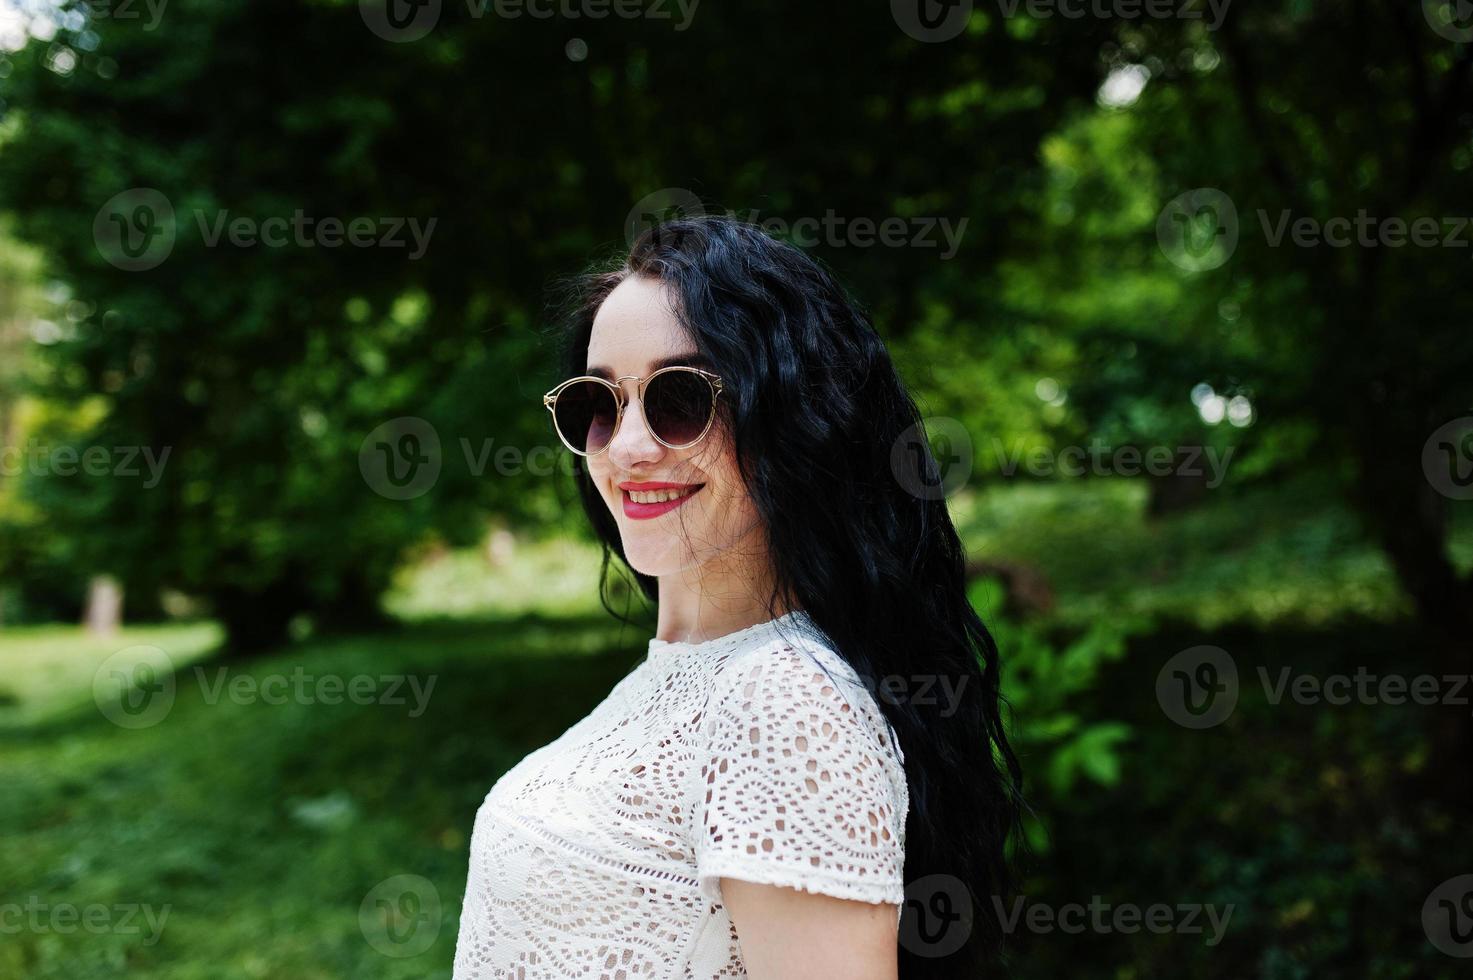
(258, 829)
(230, 831)
(251, 833)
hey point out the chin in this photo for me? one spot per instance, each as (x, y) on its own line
(647, 562)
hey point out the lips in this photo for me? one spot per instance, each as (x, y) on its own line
(656, 497)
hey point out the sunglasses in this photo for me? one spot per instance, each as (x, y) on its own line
(679, 407)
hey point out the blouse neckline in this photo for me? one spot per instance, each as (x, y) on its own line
(796, 617)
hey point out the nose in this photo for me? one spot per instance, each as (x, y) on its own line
(632, 444)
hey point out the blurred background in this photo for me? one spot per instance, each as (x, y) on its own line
(290, 569)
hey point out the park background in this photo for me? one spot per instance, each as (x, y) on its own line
(1125, 281)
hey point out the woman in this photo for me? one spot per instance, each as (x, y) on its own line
(754, 797)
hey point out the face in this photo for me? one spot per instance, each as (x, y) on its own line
(713, 521)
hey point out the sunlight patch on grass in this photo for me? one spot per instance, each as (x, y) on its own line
(44, 669)
(556, 578)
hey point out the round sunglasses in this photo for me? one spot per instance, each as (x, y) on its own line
(679, 407)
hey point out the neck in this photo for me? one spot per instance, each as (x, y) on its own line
(713, 599)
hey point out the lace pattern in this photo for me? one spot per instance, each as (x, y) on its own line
(757, 756)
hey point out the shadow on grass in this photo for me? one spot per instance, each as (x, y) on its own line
(265, 825)
(1323, 825)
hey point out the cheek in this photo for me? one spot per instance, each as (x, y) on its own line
(730, 501)
(600, 471)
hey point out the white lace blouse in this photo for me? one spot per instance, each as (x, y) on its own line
(751, 756)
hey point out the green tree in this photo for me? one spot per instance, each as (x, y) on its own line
(1352, 354)
(263, 369)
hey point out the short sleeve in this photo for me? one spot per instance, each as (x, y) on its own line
(800, 783)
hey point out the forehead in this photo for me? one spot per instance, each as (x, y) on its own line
(636, 331)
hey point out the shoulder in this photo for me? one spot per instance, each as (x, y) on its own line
(784, 680)
(800, 781)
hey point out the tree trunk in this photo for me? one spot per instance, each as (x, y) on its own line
(104, 613)
(257, 621)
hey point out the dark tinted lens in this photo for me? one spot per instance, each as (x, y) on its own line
(677, 405)
(585, 412)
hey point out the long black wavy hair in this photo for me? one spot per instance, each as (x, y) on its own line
(816, 409)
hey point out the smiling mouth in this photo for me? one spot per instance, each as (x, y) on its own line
(643, 503)
(660, 496)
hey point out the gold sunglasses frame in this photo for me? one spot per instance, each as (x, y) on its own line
(549, 401)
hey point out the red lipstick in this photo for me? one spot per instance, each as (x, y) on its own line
(642, 511)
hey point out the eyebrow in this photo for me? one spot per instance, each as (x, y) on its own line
(693, 359)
